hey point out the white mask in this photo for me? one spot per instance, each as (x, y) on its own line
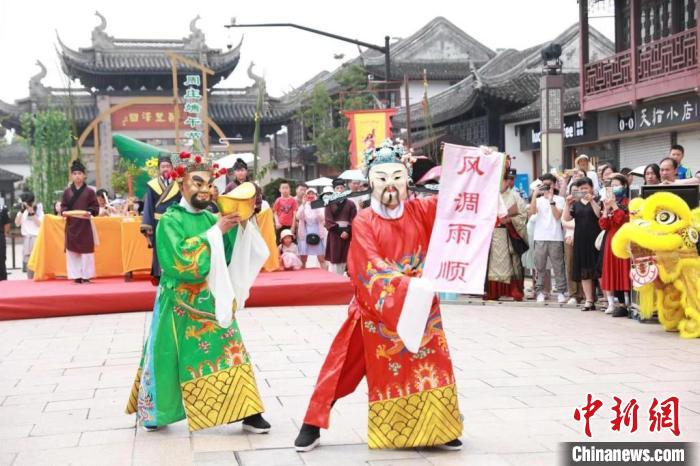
(389, 183)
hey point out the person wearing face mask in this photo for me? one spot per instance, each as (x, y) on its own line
(311, 233)
(393, 333)
(194, 365)
(616, 271)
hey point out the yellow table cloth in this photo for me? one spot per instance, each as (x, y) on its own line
(266, 224)
(122, 248)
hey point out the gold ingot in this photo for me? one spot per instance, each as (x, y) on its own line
(241, 201)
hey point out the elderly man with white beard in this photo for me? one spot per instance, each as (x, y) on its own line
(393, 333)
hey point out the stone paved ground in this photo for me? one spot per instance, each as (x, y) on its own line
(520, 372)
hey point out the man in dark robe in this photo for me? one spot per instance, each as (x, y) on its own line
(161, 193)
(339, 218)
(80, 242)
(240, 176)
(4, 230)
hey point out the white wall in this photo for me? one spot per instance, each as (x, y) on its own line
(522, 161)
(415, 90)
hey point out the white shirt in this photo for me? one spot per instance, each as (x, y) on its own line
(29, 225)
(547, 228)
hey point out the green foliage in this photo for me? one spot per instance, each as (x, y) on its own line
(322, 116)
(49, 139)
(271, 190)
(122, 169)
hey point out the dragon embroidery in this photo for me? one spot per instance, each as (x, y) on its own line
(432, 329)
(193, 249)
(381, 274)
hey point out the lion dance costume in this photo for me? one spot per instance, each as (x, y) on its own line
(661, 239)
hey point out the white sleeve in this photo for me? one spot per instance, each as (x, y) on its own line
(218, 279)
(415, 312)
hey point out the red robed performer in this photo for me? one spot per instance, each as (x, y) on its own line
(393, 333)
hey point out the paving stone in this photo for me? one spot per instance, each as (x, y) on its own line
(273, 457)
(521, 372)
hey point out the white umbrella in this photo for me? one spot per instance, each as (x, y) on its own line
(227, 161)
(639, 171)
(323, 181)
(352, 175)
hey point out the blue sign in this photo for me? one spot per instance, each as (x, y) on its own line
(522, 185)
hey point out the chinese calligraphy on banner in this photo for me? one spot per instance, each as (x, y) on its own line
(466, 215)
(193, 109)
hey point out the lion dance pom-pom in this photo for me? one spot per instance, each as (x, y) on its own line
(661, 241)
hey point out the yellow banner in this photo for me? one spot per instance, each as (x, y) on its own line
(367, 129)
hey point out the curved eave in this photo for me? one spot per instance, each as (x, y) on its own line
(10, 115)
(77, 64)
(443, 106)
(225, 63)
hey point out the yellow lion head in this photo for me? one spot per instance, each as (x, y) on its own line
(663, 223)
(661, 240)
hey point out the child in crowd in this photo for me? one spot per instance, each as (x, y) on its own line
(289, 254)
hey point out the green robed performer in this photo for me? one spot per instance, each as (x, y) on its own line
(194, 363)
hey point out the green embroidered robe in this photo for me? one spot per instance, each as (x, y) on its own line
(191, 367)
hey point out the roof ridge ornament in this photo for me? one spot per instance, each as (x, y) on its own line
(257, 78)
(475, 72)
(100, 39)
(196, 40)
(36, 88)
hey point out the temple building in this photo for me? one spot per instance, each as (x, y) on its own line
(504, 91)
(130, 83)
(439, 52)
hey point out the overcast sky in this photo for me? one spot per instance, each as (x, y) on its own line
(286, 57)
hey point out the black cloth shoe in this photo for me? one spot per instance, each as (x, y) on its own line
(309, 438)
(620, 312)
(256, 424)
(454, 445)
(86, 280)
(78, 280)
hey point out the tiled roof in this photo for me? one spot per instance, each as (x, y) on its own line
(15, 153)
(511, 76)
(532, 110)
(6, 175)
(441, 48)
(142, 62)
(226, 109)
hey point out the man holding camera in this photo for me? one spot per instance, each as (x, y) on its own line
(4, 230)
(548, 236)
(28, 219)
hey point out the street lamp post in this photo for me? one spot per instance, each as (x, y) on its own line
(385, 49)
(552, 110)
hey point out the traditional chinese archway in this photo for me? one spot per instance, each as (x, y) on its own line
(164, 111)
